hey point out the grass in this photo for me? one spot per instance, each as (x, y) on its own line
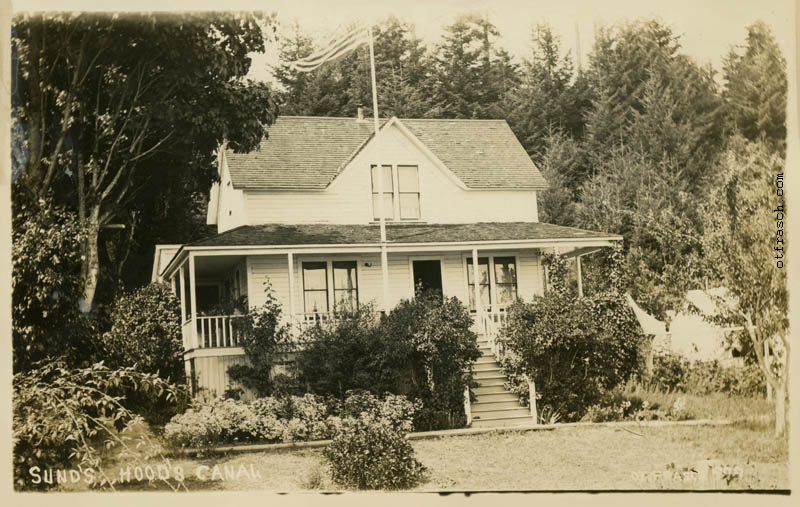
(577, 457)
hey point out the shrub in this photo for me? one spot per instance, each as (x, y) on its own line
(422, 350)
(47, 286)
(673, 372)
(265, 340)
(623, 406)
(283, 419)
(59, 413)
(575, 349)
(339, 355)
(370, 454)
(146, 334)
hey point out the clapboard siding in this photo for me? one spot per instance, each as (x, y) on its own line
(212, 373)
(348, 199)
(274, 269)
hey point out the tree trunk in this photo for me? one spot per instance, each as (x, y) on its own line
(780, 409)
(91, 261)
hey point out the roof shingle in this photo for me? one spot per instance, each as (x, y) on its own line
(303, 152)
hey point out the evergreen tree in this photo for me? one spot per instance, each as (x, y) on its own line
(756, 88)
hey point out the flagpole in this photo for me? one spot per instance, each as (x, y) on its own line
(382, 205)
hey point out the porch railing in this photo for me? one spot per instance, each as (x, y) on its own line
(213, 331)
(489, 324)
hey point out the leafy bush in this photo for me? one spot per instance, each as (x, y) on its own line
(575, 349)
(283, 419)
(265, 340)
(145, 334)
(673, 372)
(370, 454)
(621, 406)
(422, 350)
(47, 286)
(59, 414)
(338, 356)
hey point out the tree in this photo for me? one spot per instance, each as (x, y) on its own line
(470, 75)
(339, 87)
(756, 88)
(104, 104)
(746, 245)
(546, 100)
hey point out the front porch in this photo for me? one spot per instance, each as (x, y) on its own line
(312, 271)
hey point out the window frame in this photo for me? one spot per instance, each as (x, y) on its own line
(330, 290)
(391, 192)
(395, 193)
(494, 305)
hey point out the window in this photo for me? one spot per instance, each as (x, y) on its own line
(408, 189)
(505, 276)
(388, 193)
(497, 281)
(330, 285)
(315, 287)
(345, 285)
(483, 281)
(399, 199)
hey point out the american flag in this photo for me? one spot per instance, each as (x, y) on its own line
(337, 47)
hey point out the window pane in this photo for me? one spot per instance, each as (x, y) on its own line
(409, 205)
(408, 177)
(346, 299)
(315, 275)
(483, 270)
(387, 179)
(344, 275)
(506, 293)
(316, 301)
(388, 201)
(505, 271)
(485, 299)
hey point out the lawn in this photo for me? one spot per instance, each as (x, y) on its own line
(567, 458)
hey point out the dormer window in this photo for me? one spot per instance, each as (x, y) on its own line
(401, 193)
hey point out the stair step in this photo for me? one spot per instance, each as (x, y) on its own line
(486, 358)
(496, 396)
(500, 412)
(481, 406)
(486, 366)
(491, 382)
(493, 388)
(500, 422)
(489, 373)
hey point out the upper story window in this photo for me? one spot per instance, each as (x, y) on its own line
(401, 193)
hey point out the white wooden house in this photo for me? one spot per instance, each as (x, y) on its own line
(302, 212)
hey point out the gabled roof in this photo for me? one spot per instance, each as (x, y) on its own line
(357, 234)
(303, 152)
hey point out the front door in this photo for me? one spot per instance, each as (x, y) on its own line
(427, 275)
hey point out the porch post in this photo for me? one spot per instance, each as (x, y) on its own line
(290, 260)
(477, 285)
(385, 276)
(193, 299)
(172, 282)
(580, 276)
(183, 304)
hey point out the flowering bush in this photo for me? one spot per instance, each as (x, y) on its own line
(284, 419)
(673, 372)
(620, 406)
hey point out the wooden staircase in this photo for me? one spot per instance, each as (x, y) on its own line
(495, 406)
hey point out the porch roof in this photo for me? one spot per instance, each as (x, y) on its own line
(355, 234)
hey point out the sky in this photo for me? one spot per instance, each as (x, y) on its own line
(708, 28)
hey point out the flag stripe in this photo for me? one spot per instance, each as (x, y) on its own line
(338, 47)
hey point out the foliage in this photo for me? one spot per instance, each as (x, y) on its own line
(60, 414)
(621, 406)
(371, 454)
(339, 355)
(46, 287)
(283, 418)
(121, 98)
(745, 242)
(575, 349)
(265, 339)
(145, 335)
(422, 350)
(673, 372)
(756, 88)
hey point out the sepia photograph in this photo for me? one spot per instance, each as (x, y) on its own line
(457, 247)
